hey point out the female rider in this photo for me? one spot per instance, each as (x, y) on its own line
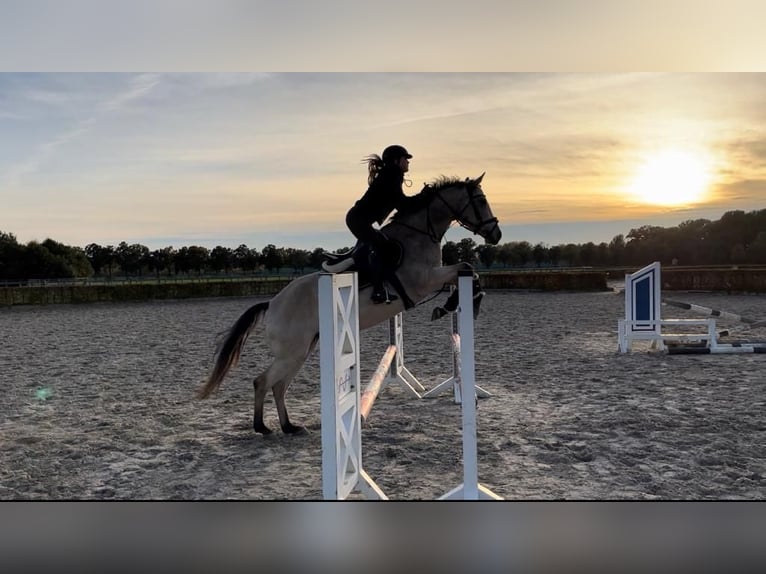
(383, 195)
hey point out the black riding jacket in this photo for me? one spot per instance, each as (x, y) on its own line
(382, 197)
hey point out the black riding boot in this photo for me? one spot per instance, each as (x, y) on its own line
(379, 292)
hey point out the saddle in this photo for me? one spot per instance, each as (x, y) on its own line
(358, 259)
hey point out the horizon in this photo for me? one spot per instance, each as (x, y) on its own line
(274, 158)
(334, 241)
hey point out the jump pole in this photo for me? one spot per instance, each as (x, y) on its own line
(391, 369)
(470, 489)
(376, 383)
(748, 322)
(719, 349)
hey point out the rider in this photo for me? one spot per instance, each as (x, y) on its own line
(384, 194)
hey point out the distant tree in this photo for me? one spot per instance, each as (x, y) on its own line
(504, 255)
(616, 249)
(11, 256)
(9, 238)
(161, 260)
(486, 254)
(756, 252)
(221, 258)
(601, 257)
(198, 257)
(131, 258)
(554, 255)
(75, 257)
(316, 258)
(738, 254)
(570, 255)
(450, 254)
(245, 258)
(539, 254)
(466, 250)
(521, 252)
(40, 263)
(737, 237)
(296, 258)
(272, 257)
(97, 256)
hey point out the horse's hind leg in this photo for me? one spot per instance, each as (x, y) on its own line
(280, 390)
(277, 377)
(261, 387)
(289, 369)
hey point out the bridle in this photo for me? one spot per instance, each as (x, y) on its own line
(474, 195)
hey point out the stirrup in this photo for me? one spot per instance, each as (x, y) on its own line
(383, 297)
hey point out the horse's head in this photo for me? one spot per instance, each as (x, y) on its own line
(450, 199)
(475, 214)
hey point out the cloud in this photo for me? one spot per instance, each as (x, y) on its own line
(747, 151)
(138, 87)
(751, 191)
(227, 80)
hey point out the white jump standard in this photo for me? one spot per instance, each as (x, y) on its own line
(470, 489)
(342, 470)
(344, 406)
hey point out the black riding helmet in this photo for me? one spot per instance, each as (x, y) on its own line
(393, 153)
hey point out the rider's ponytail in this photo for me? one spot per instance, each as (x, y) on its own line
(374, 166)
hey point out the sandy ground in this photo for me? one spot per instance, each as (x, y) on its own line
(98, 403)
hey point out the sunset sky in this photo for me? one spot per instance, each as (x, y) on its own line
(179, 159)
(274, 157)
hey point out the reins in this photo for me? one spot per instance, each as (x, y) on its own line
(430, 231)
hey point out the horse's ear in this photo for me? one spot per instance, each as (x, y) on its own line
(478, 179)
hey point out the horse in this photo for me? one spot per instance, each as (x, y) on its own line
(291, 317)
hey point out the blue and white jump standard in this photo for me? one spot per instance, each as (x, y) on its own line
(643, 303)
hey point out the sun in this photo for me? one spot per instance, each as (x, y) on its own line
(672, 178)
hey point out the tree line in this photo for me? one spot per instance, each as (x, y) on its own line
(736, 238)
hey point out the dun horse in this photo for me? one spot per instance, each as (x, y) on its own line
(291, 317)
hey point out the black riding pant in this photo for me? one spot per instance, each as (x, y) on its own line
(363, 230)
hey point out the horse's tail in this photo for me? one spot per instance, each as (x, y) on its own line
(230, 349)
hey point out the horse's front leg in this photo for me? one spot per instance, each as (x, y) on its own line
(440, 276)
(448, 275)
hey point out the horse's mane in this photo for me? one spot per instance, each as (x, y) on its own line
(443, 182)
(431, 188)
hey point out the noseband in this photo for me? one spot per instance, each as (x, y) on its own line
(474, 194)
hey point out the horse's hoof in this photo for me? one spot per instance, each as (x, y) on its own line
(262, 429)
(294, 429)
